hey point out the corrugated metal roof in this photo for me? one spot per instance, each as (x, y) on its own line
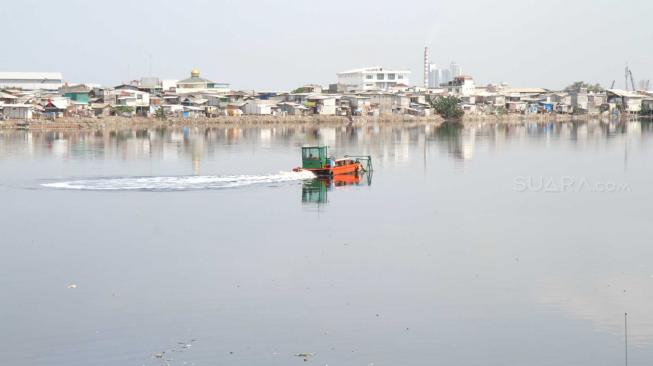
(195, 80)
(7, 96)
(624, 93)
(525, 90)
(31, 75)
(81, 88)
(18, 105)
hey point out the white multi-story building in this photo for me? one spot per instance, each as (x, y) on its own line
(446, 76)
(373, 78)
(461, 86)
(439, 77)
(434, 76)
(31, 80)
(455, 70)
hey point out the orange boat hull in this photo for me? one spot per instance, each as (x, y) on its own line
(338, 170)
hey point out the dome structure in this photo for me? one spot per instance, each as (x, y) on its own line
(196, 84)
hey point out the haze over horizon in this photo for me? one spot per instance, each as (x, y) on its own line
(284, 44)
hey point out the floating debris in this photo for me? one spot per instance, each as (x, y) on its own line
(185, 345)
(306, 356)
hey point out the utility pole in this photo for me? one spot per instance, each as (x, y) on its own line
(626, 337)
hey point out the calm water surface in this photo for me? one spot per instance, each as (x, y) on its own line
(488, 245)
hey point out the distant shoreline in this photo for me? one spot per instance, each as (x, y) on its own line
(69, 123)
(113, 122)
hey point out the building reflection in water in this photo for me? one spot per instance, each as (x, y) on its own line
(389, 144)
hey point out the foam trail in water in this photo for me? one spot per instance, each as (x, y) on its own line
(179, 183)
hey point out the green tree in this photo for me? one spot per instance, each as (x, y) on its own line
(578, 110)
(122, 109)
(447, 107)
(596, 88)
(160, 114)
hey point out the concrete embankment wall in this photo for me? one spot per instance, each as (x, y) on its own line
(518, 118)
(122, 122)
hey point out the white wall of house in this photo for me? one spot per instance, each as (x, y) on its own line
(168, 84)
(372, 78)
(31, 80)
(133, 98)
(214, 100)
(579, 99)
(462, 86)
(258, 107)
(633, 104)
(17, 111)
(325, 105)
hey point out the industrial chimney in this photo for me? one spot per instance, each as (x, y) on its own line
(426, 67)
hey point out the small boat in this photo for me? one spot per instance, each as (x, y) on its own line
(316, 159)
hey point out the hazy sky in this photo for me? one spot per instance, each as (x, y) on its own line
(283, 44)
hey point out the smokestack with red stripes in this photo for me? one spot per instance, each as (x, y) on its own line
(426, 67)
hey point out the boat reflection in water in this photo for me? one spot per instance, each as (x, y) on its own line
(316, 191)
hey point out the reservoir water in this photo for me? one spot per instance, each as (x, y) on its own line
(483, 245)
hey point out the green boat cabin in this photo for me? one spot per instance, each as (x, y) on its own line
(314, 157)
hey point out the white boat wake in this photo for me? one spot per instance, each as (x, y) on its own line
(182, 183)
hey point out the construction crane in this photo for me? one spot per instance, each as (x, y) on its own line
(632, 80)
(629, 74)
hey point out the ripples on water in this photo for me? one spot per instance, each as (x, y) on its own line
(178, 183)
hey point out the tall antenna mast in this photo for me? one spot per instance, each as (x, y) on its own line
(426, 67)
(626, 336)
